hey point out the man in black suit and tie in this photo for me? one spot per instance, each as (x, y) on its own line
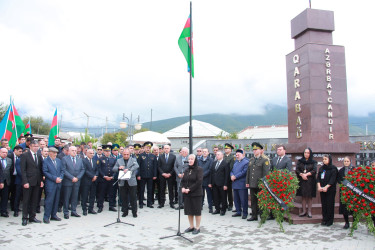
(54, 173)
(31, 169)
(73, 173)
(219, 183)
(89, 182)
(281, 161)
(165, 166)
(6, 165)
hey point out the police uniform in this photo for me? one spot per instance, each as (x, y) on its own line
(106, 165)
(147, 171)
(230, 160)
(257, 169)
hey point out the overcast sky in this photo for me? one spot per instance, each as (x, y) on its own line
(111, 57)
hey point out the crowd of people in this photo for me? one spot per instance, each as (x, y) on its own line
(73, 174)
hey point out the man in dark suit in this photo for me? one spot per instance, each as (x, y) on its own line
(88, 183)
(31, 169)
(219, 183)
(17, 179)
(106, 179)
(165, 165)
(54, 172)
(205, 163)
(228, 157)
(180, 165)
(6, 165)
(73, 172)
(281, 161)
(147, 173)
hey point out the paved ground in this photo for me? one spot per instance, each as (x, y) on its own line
(217, 232)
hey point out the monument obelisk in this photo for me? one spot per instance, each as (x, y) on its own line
(317, 91)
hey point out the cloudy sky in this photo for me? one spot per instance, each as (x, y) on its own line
(106, 58)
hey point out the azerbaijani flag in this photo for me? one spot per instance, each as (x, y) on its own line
(27, 128)
(10, 132)
(53, 133)
(185, 42)
(19, 123)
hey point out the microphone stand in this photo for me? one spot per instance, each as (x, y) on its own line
(179, 219)
(118, 207)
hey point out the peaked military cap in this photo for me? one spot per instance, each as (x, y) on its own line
(115, 147)
(256, 145)
(107, 147)
(148, 143)
(227, 145)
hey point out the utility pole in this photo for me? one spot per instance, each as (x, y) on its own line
(151, 121)
(106, 124)
(87, 126)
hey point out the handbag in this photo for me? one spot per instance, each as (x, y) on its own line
(125, 176)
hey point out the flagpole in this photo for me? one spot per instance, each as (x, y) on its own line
(14, 118)
(191, 110)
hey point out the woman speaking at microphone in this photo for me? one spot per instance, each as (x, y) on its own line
(191, 188)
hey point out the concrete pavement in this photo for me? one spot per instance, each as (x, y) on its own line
(217, 232)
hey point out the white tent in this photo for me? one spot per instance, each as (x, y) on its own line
(200, 129)
(151, 136)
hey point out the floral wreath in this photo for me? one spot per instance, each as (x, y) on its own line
(278, 190)
(358, 194)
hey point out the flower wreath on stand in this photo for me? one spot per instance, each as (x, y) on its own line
(278, 190)
(358, 194)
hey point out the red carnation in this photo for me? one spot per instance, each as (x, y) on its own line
(365, 190)
(362, 184)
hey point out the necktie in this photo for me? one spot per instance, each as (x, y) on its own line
(278, 160)
(217, 165)
(54, 163)
(91, 163)
(15, 170)
(166, 158)
(4, 163)
(74, 162)
(35, 159)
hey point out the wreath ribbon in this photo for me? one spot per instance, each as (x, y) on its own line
(358, 191)
(278, 200)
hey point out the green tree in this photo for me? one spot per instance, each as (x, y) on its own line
(118, 138)
(141, 130)
(85, 138)
(232, 135)
(3, 110)
(38, 126)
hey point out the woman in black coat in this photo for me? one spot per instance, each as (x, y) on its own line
(191, 187)
(306, 172)
(327, 179)
(340, 178)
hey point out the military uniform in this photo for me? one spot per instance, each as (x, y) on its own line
(147, 171)
(230, 160)
(257, 169)
(106, 165)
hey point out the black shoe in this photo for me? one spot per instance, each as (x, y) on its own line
(270, 218)
(24, 222)
(329, 224)
(230, 208)
(234, 211)
(210, 211)
(46, 221)
(323, 223)
(84, 213)
(150, 206)
(4, 215)
(309, 216)
(56, 218)
(38, 210)
(196, 231)
(124, 214)
(140, 206)
(236, 215)
(66, 216)
(244, 216)
(160, 206)
(222, 213)
(112, 209)
(252, 219)
(35, 220)
(216, 212)
(172, 206)
(302, 215)
(100, 210)
(15, 214)
(74, 214)
(189, 230)
(92, 212)
(346, 226)
(135, 215)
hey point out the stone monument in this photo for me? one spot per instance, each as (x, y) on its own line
(317, 92)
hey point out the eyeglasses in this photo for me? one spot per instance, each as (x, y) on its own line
(199, 150)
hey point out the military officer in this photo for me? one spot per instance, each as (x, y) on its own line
(135, 154)
(257, 169)
(229, 158)
(106, 179)
(137, 148)
(116, 155)
(147, 173)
